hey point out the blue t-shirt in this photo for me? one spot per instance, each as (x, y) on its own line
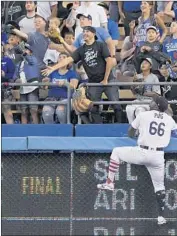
(175, 14)
(8, 67)
(39, 44)
(60, 92)
(4, 38)
(170, 48)
(131, 6)
(113, 29)
(174, 8)
(141, 32)
(101, 34)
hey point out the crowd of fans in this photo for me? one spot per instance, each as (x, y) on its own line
(87, 51)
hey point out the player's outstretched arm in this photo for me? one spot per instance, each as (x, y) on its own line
(131, 132)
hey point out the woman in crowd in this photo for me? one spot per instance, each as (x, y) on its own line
(148, 19)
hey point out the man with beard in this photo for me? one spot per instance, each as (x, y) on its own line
(26, 22)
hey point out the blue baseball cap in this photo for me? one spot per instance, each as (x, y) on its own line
(161, 102)
(91, 29)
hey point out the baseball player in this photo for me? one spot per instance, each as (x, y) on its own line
(155, 128)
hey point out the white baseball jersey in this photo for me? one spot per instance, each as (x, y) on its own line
(154, 128)
(155, 132)
(44, 8)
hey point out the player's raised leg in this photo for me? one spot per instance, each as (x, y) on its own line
(132, 155)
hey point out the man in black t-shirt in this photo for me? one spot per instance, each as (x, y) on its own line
(97, 63)
(169, 92)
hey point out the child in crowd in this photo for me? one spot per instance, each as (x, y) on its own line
(148, 18)
(152, 43)
(51, 55)
(7, 67)
(13, 41)
(69, 37)
(54, 24)
(152, 48)
(27, 71)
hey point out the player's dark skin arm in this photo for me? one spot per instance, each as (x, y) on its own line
(131, 132)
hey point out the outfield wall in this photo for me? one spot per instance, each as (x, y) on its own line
(49, 185)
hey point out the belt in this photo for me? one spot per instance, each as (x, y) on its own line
(149, 148)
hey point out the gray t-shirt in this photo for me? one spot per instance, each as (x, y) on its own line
(156, 46)
(127, 45)
(26, 24)
(39, 44)
(151, 78)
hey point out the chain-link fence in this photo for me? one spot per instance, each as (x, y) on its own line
(55, 194)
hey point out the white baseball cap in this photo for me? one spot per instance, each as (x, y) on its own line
(149, 60)
(152, 27)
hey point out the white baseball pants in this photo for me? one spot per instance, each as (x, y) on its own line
(153, 160)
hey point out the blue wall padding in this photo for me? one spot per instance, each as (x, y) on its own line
(86, 144)
(60, 137)
(14, 143)
(102, 130)
(19, 130)
(172, 147)
(76, 143)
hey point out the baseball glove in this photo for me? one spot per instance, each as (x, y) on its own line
(138, 89)
(80, 102)
(55, 36)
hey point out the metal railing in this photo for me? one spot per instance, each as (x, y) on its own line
(68, 102)
(127, 84)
